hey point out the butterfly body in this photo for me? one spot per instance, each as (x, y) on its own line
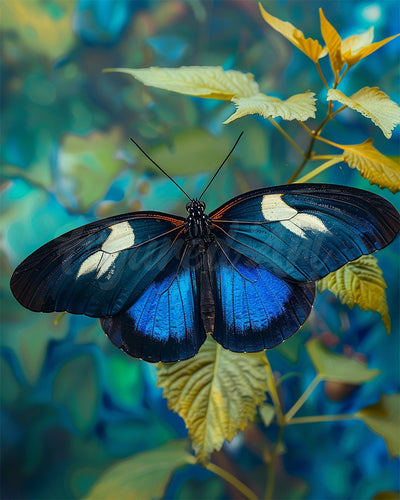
(245, 273)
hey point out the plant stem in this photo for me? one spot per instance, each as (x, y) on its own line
(321, 168)
(271, 465)
(321, 75)
(321, 418)
(322, 157)
(274, 393)
(302, 399)
(287, 136)
(338, 111)
(343, 74)
(229, 478)
(307, 155)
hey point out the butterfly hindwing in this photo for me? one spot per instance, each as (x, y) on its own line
(100, 268)
(255, 309)
(305, 231)
(164, 323)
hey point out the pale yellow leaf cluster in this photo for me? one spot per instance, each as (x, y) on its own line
(212, 82)
(373, 165)
(348, 51)
(216, 393)
(297, 107)
(373, 104)
(360, 283)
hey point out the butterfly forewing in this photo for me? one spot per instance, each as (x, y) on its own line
(101, 268)
(305, 231)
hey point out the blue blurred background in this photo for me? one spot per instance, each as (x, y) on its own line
(72, 404)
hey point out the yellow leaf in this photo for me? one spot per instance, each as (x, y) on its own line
(372, 103)
(356, 47)
(333, 44)
(309, 46)
(355, 43)
(383, 418)
(216, 393)
(297, 107)
(373, 165)
(203, 81)
(360, 283)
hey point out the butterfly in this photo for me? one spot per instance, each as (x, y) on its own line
(246, 273)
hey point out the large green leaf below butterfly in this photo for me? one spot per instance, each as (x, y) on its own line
(217, 393)
(143, 476)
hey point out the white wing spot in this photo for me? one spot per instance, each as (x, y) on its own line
(120, 238)
(274, 209)
(90, 264)
(102, 261)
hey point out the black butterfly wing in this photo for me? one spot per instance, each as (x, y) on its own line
(164, 324)
(254, 308)
(101, 268)
(305, 231)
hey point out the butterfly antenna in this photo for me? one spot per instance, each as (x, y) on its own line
(162, 170)
(222, 164)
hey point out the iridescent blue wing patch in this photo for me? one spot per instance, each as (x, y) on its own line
(255, 309)
(101, 268)
(164, 323)
(305, 231)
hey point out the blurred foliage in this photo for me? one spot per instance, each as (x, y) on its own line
(73, 405)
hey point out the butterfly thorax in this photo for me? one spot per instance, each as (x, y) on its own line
(197, 224)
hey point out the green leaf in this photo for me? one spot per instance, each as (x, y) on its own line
(87, 166)
(387, 495)
(31, 341)
(360, 283)
(332, 366)
(124, 376)
(143, 476)
(10, 387)
(194, 150)
(383, 418)
(212, 82)
(76, 387)
(216, 392)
